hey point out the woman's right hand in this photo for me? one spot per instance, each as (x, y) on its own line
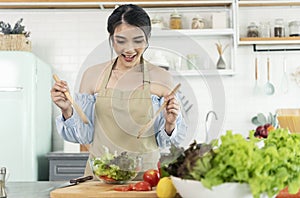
(59, 98)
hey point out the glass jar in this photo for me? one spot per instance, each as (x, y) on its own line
(252, 30)
(175, 21)
(264, 29)
(157, 23)
(279, 28)
(294, 28)
(198, 23)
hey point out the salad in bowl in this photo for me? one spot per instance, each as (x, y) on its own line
(116, 169)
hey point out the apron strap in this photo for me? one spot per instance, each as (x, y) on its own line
(146, 76)
(108, 70)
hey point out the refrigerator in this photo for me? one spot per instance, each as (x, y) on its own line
(25, 115)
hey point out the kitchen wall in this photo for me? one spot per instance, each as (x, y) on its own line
(65, 38)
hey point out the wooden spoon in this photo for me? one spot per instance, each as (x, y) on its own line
(75, 105)
(146, 126)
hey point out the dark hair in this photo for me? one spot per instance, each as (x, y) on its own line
(131, 14)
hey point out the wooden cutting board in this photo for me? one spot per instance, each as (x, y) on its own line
(93, 189)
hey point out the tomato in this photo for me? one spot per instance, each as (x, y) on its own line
(142, 186)
(152, 177)
(123, 188)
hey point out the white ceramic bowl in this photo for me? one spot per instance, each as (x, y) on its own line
(193, 188)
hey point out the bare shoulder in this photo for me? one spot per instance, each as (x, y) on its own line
(161, 80)
(91, 77)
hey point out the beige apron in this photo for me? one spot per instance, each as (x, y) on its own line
(119, 115)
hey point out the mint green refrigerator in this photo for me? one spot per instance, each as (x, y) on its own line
(25, 115)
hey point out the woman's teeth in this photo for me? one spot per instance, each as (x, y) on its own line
(129, 58)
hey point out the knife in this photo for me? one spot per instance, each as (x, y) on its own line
(75, 181)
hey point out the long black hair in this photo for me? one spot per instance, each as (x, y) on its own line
(131, 14)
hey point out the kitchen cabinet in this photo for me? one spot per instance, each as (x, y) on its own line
(252, 11)
(177, 46)
(66, 166)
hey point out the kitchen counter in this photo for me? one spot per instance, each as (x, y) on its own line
(40, 189)
(43, 189)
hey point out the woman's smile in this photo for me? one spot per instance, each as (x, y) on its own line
(129, 58)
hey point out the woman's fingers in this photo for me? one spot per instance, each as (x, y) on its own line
(60, 86)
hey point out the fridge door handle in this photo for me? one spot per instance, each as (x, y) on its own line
(11, 89)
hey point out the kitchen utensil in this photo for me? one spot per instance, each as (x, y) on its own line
(75, 105)
(285, 80)
(269, 87)
(2, 182)
(256, 89)
(146, 126)
(93, 189)
(75, 181)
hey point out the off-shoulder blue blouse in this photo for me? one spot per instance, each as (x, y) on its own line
(74, 130)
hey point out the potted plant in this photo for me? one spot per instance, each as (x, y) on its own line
(14, 38)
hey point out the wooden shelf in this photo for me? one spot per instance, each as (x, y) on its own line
(267, 3)
(269, 41)
(108, 4)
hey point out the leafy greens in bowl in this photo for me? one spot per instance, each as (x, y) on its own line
(116, 169)
(265, 169)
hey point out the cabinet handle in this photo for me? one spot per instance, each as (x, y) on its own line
(11, 89)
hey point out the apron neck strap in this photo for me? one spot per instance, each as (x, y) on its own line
(108, 70)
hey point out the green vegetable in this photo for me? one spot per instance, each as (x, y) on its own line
(181, 163)
(267, 169)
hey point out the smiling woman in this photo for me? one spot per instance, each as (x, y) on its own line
(122, 95)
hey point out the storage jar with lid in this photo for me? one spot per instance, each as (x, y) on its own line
(198, 23)
(279, 28)
(175, 20)
(252, 30)
(294, 28)
(264, 29)
(157, 22)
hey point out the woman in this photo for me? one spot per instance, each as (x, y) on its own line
(120, 96)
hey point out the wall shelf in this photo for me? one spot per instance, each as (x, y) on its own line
(193, 32)
(269, 41)
(249, 11)
(96, 4)
(268, 3)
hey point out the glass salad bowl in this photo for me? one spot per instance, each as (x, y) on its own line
(116, 169)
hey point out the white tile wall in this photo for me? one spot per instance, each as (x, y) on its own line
(65, 38)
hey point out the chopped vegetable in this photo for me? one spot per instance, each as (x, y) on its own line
(112, 168)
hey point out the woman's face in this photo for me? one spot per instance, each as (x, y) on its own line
(129, 43)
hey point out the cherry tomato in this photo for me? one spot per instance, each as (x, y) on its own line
(142, 186)
(152, 177)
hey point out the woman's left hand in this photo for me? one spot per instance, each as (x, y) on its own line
(171, 112)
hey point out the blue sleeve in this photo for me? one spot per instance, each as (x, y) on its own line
(163, 139)
(73, 129)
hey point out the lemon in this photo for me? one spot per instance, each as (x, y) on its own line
(165, 188)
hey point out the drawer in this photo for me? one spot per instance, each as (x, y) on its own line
(64, 167)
